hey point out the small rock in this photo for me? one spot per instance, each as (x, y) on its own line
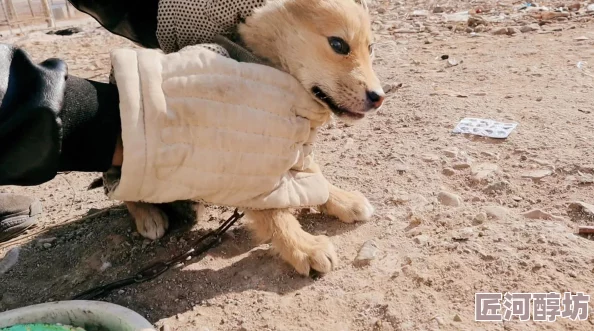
(457, 318)
(449, 199)
(537, 175)
(463, 234)
(581, 38)
(439, 320)
(389, 87)
(47, 245)
(367, 253)
(165, 328)
(430, 157)
(43, 241)
(105, 266)
(574, 6)
(421, 240)
(590, 7)
(448, 171)
(582, 209)
(180, 317)
(536, 214)
(513, 31)
(453, 152)
(539, 99)
(453, 62)
(497, 187)
(499, 31)
(461, 165)
(438, 10)
(516, 198)
(480, 218)
(381, 10)
(529, 28)
(420, 13)
(400, 167)
(483, 171)
(496, 212)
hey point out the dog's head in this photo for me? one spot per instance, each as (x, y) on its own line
(325, 44)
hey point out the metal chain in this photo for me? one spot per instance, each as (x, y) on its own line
(198, 247)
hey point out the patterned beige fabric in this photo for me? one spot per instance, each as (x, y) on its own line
(182, 23)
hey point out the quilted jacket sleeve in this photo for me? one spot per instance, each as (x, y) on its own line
(199, 126)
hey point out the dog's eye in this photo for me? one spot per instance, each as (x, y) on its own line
(339, 45)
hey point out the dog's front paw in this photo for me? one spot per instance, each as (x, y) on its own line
(312, 253)
(348, 206)
(151, 222)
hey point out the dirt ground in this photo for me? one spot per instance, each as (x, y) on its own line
(455, 213)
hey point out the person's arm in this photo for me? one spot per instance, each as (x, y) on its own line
(135, 20)
(51, 122)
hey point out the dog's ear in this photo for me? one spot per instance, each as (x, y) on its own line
(363, 3)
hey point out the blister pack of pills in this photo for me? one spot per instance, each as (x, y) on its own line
(485, 128)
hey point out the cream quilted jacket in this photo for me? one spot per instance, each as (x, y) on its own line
(199, 126)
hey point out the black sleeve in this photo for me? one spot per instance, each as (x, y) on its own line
(50, 122)
(135, 20)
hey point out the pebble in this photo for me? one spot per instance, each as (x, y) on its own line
(529, 28)
(483, 171)
(463, 234)
(536, 214)
(480, 218)
(420, 13)
(451, 152)
(461, 165)
(439, 320)
(430, 157)
(517, 198)
(583, 208)
(367, 253)
(449, 199)
(10, 259)
(47, 245)
(389, 87)
(497, 187)
(452, 62)
(499, 31)
(496, 212)
(457, 318)
(581, 38)
(590, 7)
(537, 174)
(448, 171)
(421, 240)
(400, 167)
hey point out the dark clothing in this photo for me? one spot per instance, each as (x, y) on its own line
(52, 122)
(132, 19)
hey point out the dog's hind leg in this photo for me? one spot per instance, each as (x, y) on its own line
(305, 252)
(151, 222)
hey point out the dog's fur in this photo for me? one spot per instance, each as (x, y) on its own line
(293, 36)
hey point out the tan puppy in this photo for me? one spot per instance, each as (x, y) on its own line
(327, 46)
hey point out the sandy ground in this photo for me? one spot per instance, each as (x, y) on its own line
(455, 214)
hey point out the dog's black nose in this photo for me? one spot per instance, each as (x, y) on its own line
(376, 99)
